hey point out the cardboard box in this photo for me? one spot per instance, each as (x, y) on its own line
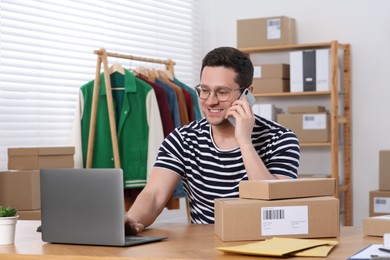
(20, 189)
(269, 71)
(29, 214)
(271, 85)
(268, 31)
(376, 226)
(248, 219)
(35, 158)
(379, 203)
(306, 109)
(309, 128)
(384, 170)
(284, 189)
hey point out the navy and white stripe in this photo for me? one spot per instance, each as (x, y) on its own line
(209, 173)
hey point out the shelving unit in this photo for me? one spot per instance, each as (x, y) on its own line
(340, 118)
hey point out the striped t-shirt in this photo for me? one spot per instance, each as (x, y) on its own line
(209, 172)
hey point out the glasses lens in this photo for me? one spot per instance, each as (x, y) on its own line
(203, 92)
(223, 94)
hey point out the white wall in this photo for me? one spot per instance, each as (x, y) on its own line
(365, 24)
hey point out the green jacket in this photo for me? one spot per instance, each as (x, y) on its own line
(138, 144)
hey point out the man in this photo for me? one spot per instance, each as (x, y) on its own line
(212, 156)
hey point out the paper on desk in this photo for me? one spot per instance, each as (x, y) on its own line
(371, 252)
(283, 247)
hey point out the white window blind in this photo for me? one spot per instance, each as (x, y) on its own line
(46, 55)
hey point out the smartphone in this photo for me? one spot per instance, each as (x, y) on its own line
(249, 98)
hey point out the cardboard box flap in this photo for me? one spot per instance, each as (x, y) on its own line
(56, 150)
(28, 151)
(306, 109)
(23, 151)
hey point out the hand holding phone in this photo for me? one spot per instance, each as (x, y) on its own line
(249, 98)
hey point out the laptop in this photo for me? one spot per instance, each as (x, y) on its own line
(85, 206)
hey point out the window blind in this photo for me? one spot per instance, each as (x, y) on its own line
(46, 55)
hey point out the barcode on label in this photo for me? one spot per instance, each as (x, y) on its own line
(380, 201)
(273, 214)
(274, 22)
(308, 118)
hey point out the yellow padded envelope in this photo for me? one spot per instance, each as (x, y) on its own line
(284, 247)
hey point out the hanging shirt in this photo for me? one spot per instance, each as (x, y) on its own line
(139, 129)
(165, 113)
(197, 113)
(172, 101)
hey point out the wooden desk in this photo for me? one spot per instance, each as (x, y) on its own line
(185, 242)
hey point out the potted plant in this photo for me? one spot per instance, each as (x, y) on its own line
(8, 219)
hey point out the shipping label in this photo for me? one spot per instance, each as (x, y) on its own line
(274, 29)
(381, 205)
(289, 220)
(314, 121)
(256, 72)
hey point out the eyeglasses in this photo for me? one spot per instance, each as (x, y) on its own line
(222, 93)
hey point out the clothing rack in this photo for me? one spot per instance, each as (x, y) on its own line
(102, 57)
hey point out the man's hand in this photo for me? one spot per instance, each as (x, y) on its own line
(132, 227)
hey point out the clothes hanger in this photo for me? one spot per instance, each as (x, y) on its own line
(162, 76)
(152, 74)
(169, 74)
(117, 68)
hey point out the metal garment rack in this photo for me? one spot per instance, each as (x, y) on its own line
(102, 55)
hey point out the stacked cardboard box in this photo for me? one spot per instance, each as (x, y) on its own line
(271, 78)
(376, 226)
(267, 31)
(311, 124)
(19, 187)
(380, 199)
(301, 208)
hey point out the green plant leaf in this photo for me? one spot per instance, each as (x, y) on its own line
(7, 212)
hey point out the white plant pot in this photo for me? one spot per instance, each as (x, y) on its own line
(7, 230)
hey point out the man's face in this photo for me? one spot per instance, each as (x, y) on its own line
(218, 79)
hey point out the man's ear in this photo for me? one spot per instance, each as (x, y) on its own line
(251, 88)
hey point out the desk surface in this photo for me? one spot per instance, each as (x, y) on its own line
(184, 242)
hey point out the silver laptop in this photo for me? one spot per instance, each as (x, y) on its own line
(85, 206)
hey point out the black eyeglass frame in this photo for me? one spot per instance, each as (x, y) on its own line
(198, 89)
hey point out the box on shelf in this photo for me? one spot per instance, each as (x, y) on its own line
(384, 170)
(376, 226)
(35, 158)
(249, 219)
(267, 111)
(306, 109)
(379, 203)
(309, 128)
(29, 214)
(268, 31)
(269, 71)
(271, 86)
(284, 189)
(20, 189)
